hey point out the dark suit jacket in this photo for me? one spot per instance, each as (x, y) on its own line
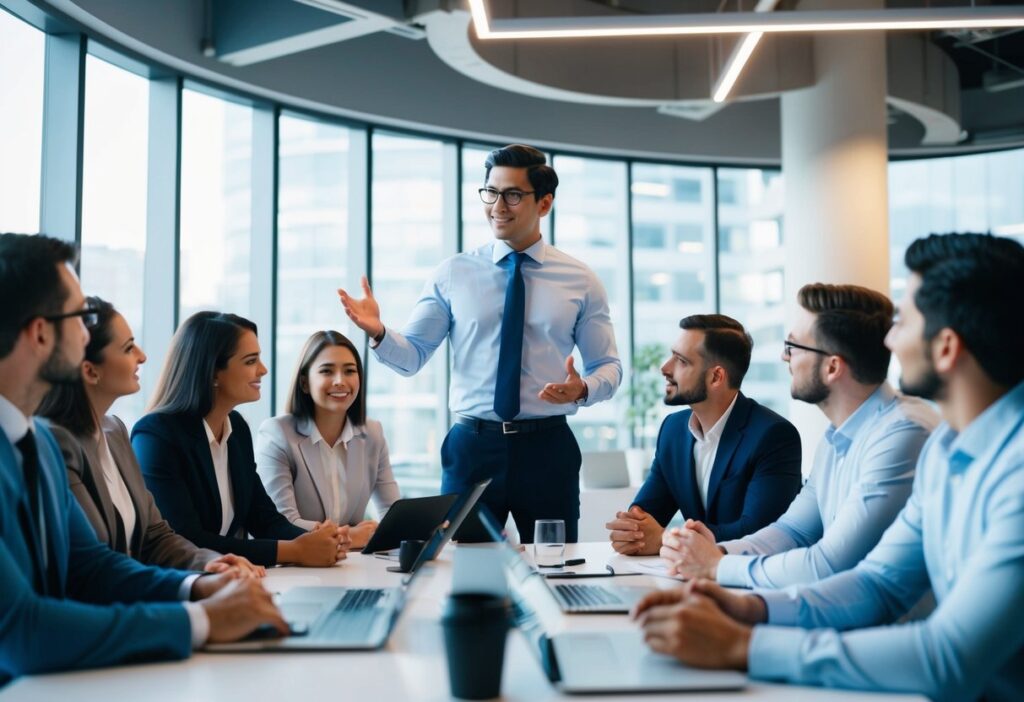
(49, 620)
(153, 541)
(174, 454)
(755, 476)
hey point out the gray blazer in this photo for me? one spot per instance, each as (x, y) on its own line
(154, 542)
(289, 465)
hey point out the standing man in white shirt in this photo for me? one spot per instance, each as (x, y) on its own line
(514, 309)
(863, 467)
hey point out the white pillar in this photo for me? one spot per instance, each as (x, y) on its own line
(834, 164)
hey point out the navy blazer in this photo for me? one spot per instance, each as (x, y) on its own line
(755, 476)
(174, 454)
(50, 620)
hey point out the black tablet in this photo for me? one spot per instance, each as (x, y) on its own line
(411, 518)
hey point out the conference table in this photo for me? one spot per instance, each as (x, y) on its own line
(411, 667)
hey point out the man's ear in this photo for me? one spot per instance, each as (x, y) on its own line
(946, 348)
(835, 368)
(546, 203)
(40, 335)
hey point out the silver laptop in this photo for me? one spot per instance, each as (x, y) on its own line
(325, 618)
(595, 662)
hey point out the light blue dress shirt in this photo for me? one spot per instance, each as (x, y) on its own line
(862, 476)
(962, 531)
(566, 306)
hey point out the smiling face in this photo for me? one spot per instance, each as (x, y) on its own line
(685, 371)
(117, 374)
(805, 366)
(519, 225)
(239, 382)
(905, 339)
(333, 380)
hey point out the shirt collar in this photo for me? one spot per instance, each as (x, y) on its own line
(227, 432)
(13, 422)
(842, 437)
(537, 251)
(715, 432)
(347, 434)
(987, 431)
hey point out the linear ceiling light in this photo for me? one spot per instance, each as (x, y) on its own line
(735, 65)
(744, 22)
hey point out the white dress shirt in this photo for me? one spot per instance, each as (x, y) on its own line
(219, 452)
(705, 448)
(333, 459)
(119, 494)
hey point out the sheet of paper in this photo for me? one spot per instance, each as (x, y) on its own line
(648, 565)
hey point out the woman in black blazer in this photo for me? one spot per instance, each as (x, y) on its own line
(196, 452)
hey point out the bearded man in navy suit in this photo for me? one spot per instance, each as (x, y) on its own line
(728, 462)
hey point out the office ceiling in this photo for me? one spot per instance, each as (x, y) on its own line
(417, 64)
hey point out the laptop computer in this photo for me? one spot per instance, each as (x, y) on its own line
(457, 515)
(410, 518)
(589, 662)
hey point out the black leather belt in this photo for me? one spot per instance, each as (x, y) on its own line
(521, 427)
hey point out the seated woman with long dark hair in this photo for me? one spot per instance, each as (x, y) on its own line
(102, 471)
(196, 451)
(323, 458)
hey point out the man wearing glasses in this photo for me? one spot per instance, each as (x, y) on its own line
(864, 465)
(59, 583)
(514, 309)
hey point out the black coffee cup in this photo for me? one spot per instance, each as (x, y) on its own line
(408, 552)
(475, 626)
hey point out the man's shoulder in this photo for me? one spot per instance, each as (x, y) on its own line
(551, 253)
(762, 415)
(675, 426)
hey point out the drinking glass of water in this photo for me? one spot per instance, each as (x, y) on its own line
(549, 543)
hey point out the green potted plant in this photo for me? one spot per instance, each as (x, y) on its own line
(645, 396)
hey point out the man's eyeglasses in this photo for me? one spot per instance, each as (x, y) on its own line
(511, 197)
(788, 346)
(89, 315)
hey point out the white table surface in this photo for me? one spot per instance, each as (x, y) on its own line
(411, 667)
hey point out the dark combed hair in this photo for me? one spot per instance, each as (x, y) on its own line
(543, 178)
(67, 404)
(851, 322)
(972, 284)
(30, 284)
(300, 403)
(726, 343)
(201, 347)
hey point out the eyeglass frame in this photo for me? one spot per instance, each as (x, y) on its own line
(90, 316)
(788, 346)
(503, 194)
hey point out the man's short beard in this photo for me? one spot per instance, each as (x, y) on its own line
(815, 391)
(57, 370)
(928, 387)
(689, 397)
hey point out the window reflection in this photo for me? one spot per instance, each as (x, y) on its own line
(407, 245)
(114, 199)
(21, 123)
(313, 239)
(751, 264)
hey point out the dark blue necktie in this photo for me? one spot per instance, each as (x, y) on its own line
(510, 353)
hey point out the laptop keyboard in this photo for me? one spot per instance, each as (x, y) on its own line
(353, 618)
(582, 596)
(359, 599)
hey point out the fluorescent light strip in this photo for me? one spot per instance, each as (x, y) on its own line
(744, 22)
(735, 67)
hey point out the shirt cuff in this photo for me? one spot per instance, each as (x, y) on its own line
(385, 344)
(782, 605)
(200, 622)
(772, 654)
(185, 589)
(734, 570)
(591, 388)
